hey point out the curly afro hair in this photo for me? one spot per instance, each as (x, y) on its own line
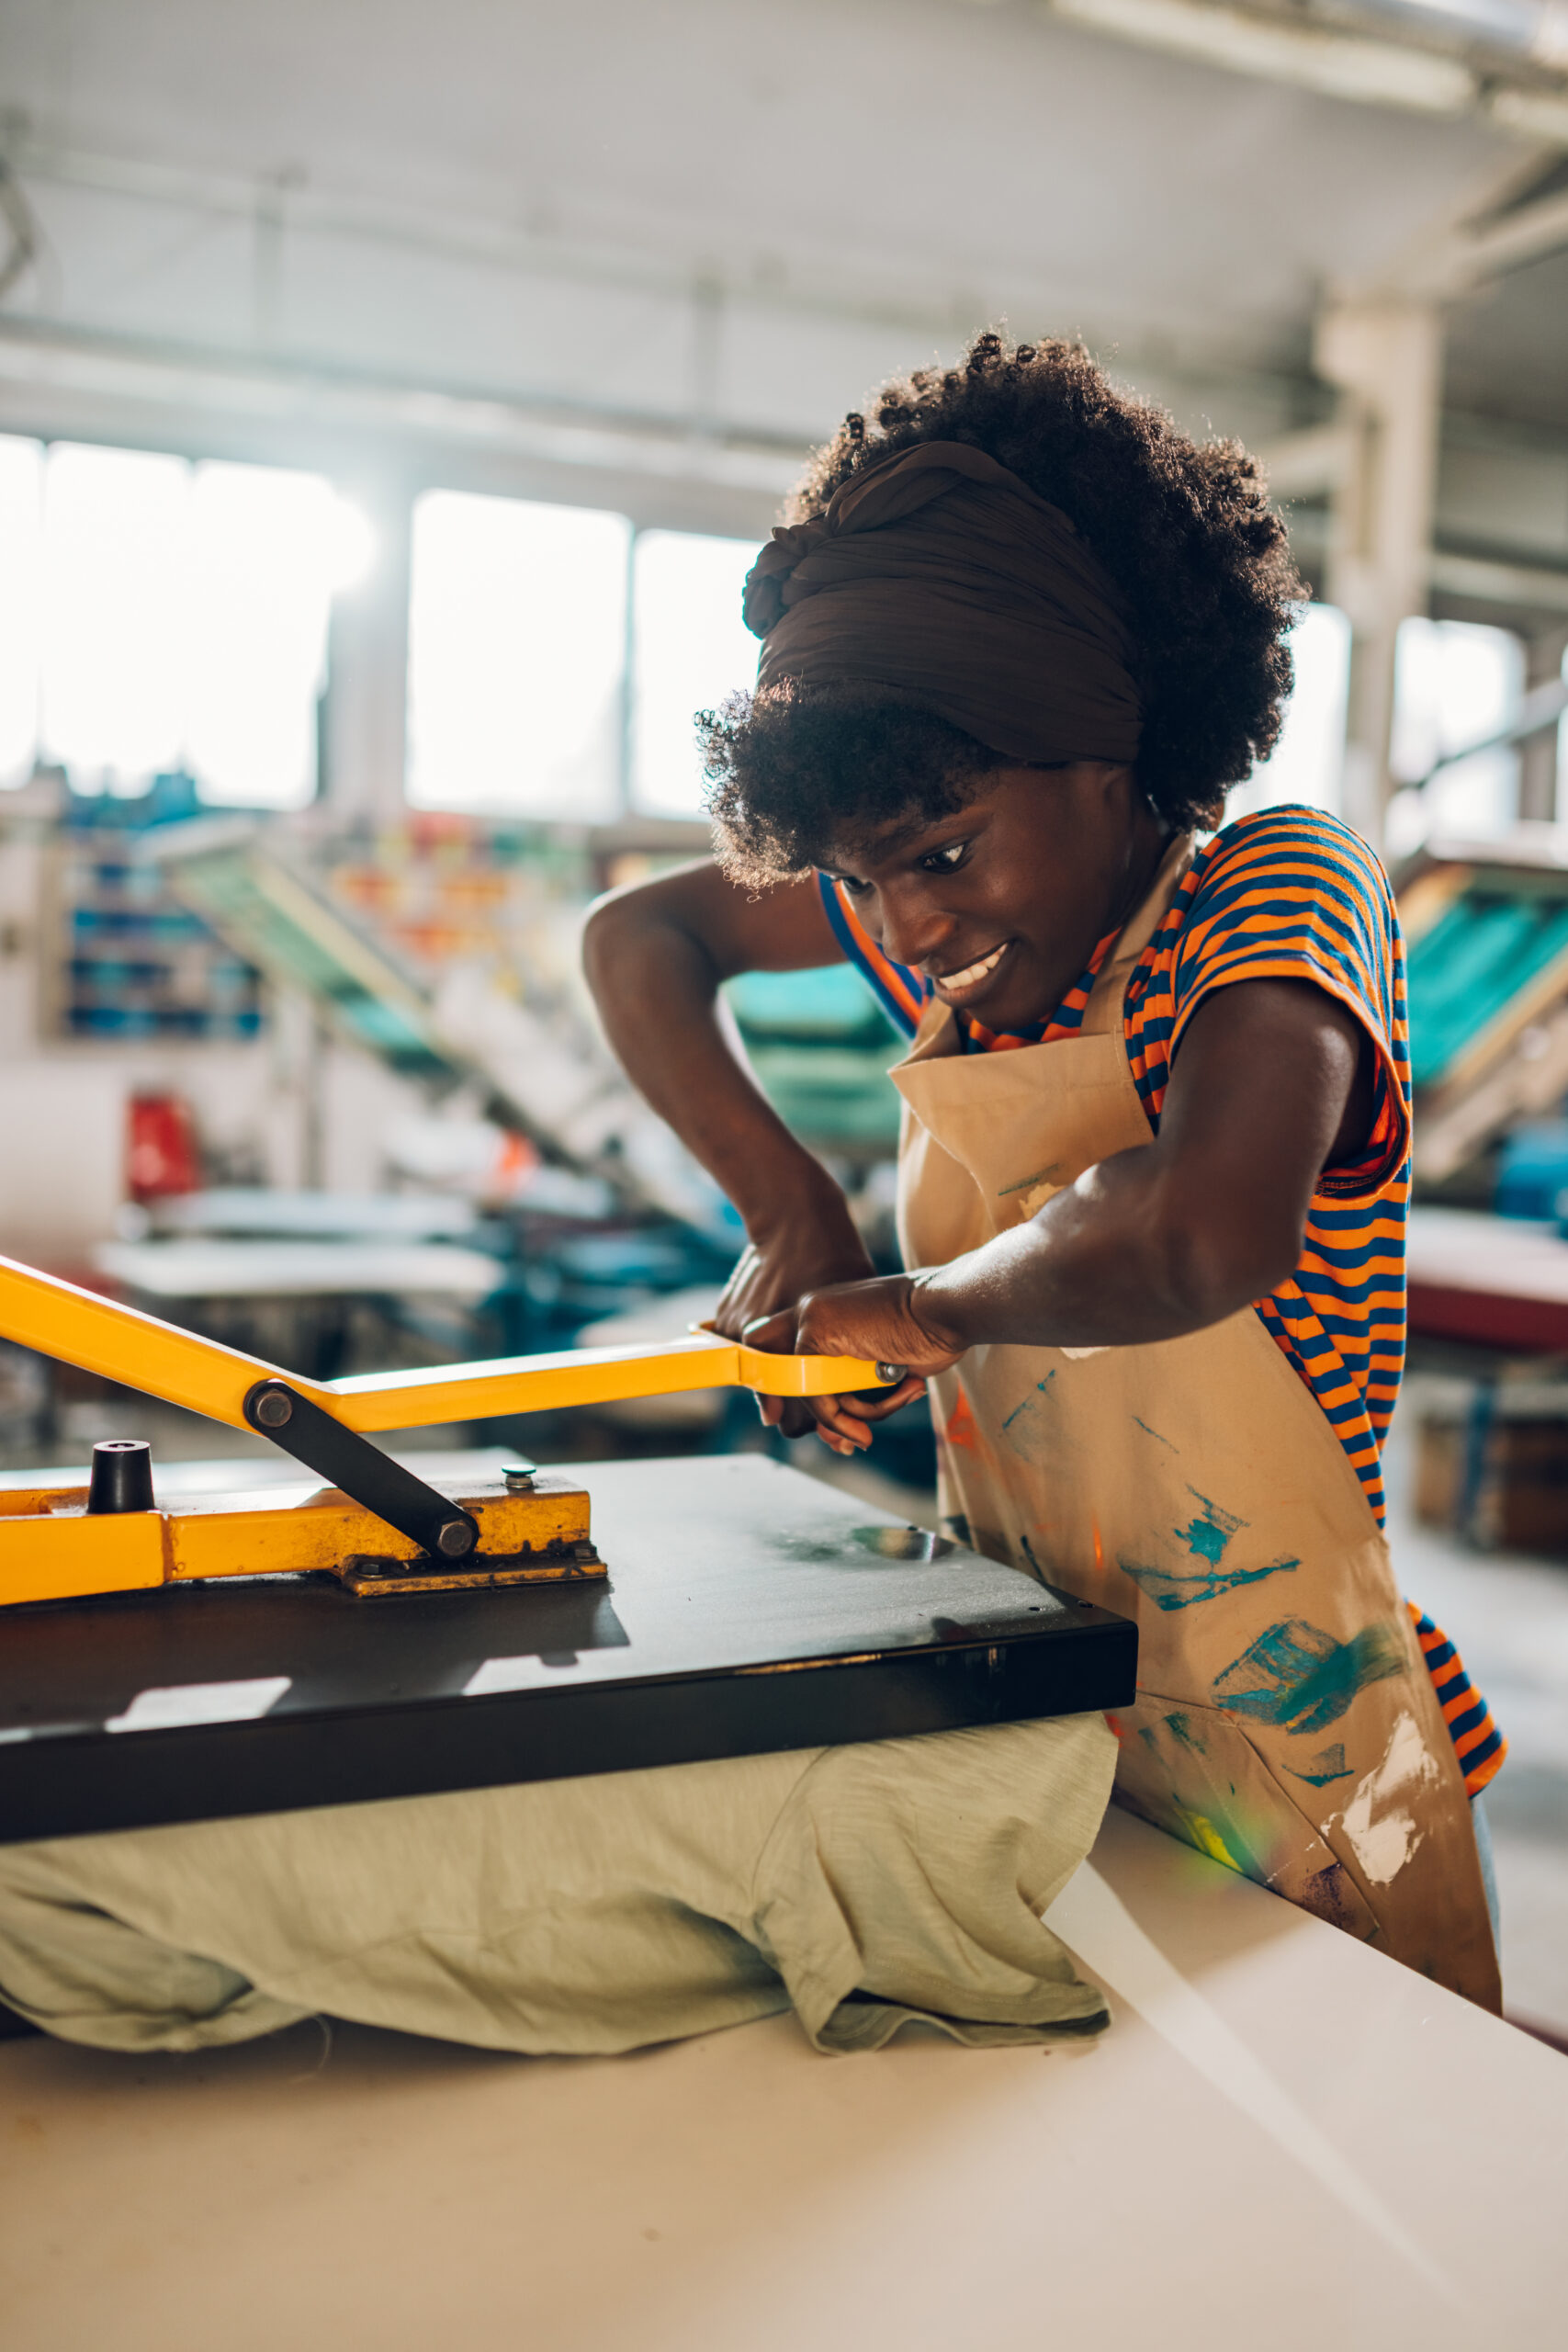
(1184, 529)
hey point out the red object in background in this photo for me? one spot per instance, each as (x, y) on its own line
(161, 1148)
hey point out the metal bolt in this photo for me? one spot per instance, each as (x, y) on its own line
(891, 1373)
(274, 1410)
(455, 1539)
(519, 1477)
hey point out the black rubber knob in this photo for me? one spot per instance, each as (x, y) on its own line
(122, 1475)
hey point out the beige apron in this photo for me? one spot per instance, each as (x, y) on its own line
(1285, 1722)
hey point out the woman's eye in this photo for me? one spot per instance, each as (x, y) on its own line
(946, 860)
(856, 889)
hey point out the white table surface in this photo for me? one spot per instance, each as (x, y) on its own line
(269, 1215)
(243, 1269)
(1471, 1249)
(1285, 2140)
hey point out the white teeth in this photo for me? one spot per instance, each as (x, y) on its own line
(973, 972)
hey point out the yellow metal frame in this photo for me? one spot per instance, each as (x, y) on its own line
(120, 1343)
(53, 1549)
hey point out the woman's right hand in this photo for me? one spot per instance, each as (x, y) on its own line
(813, 1246)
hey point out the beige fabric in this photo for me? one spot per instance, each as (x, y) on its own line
(865, 1884)
(1285, 1722)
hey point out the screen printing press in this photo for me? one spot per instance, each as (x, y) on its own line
(1263, 2145)
(376, 1637)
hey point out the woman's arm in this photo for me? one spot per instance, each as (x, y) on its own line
(655, 955)
(1270, 1085)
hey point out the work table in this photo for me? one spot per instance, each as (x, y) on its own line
(1284, 2141)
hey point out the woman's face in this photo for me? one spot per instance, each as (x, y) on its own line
(1002, 904)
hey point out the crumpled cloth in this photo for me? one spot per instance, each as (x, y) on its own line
(865, 1885)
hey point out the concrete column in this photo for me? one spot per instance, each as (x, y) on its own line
(366, 696)
(1538, 755)
(1386, 354)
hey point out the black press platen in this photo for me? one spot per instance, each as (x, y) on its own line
(361, 1470)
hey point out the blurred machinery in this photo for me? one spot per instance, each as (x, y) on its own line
(820, 1047)
(1486, 930)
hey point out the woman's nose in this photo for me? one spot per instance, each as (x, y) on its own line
(913, 930)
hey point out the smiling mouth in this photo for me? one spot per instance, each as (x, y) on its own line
(973, 974)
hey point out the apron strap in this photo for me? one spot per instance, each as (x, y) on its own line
(1103, 1010)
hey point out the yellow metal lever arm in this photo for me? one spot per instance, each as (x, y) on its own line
(120, 1343)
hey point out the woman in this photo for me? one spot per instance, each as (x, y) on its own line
(1016, 643)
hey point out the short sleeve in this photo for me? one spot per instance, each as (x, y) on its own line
(901, 992)
(1292, 894)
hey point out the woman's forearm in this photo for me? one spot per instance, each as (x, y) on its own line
(1177, 1233)
(1117, 1259)
(657, 990)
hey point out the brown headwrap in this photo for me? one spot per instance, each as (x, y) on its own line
(940, 575)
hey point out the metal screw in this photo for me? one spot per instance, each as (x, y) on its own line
(455, 1539)
(891, 1373)
(274, 1410)
(519, 1477)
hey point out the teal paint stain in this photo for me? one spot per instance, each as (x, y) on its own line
(1168, 1590)
(1301, 1678)
(1155, 1435)
(1042, 1388)
(1180, 1728)
(1328, 1765)
(1207, 1535)
(1204, 1539)
(1029, 1440)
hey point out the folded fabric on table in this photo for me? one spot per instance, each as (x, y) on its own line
(865, 1885)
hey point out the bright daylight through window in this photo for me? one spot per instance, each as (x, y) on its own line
(1455, 684)
(1308, 761)
(162, 617)
(691, 650)
(517, 626)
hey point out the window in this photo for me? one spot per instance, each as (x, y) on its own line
(517, 643)
(1456, 683)
(21, 635)
(691, 650)
(1307, 763)
(160, 616)
(268, 550)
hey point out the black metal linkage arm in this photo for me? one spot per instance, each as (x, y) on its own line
(363, 1473)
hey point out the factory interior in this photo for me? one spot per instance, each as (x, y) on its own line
(393, 403)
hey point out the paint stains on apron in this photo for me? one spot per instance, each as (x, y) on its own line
(1285, 1722)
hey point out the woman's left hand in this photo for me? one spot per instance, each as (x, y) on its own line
(886, 1320)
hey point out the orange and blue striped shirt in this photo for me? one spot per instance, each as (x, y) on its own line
(1290, 893)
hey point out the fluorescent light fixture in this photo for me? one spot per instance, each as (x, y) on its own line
(1338, 65)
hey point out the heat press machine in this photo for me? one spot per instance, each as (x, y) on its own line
(201, 1654)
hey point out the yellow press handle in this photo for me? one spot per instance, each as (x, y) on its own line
(122, 1343)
